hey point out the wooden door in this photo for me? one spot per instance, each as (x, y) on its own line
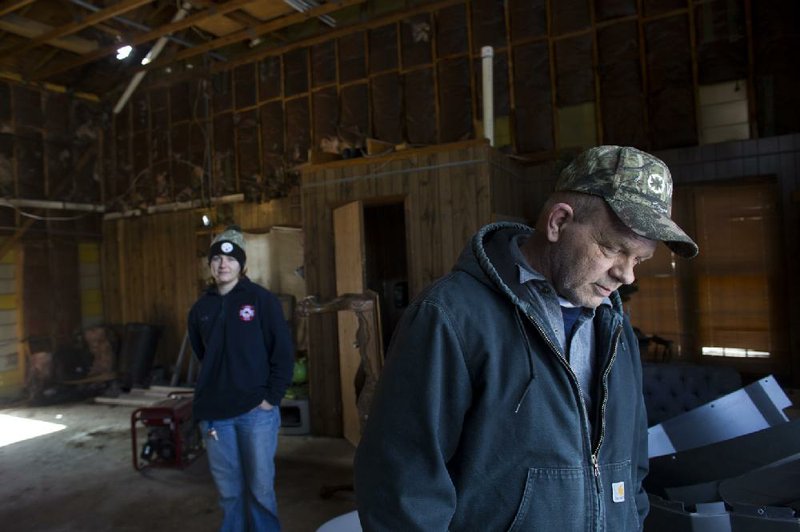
(348, 231)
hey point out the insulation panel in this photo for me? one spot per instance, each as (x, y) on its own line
(352, 57)
(269, 78)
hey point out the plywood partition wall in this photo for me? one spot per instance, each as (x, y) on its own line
(447, 192)
(149, 274)
(150, 263)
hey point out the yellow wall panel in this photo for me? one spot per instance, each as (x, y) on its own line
(9, 257)
(11, 382)
(577, 126)
(91, 308)
(7, 271)
(88, 252)
(8, 301)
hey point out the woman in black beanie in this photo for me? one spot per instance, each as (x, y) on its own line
(238, 330)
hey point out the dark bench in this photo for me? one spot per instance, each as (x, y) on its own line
(671, 389)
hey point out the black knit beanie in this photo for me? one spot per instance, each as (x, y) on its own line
(230, 242)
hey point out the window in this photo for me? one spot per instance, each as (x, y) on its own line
(727, 301)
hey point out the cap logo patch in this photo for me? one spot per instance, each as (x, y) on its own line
(655, 183)
(226, 247)
(247, 313)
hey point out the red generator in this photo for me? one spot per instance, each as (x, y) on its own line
(173, 438)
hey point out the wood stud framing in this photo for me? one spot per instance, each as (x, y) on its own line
(312, 96)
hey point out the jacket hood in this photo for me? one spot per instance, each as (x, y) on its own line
(486, 258)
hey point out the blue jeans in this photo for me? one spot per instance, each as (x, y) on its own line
(242, 462)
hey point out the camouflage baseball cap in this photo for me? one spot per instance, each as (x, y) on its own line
(637, 187)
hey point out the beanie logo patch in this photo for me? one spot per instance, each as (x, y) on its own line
(226, 247)
(247, 313)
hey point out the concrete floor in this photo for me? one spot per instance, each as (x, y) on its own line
(81, 479)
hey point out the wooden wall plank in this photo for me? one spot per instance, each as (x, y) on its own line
(416, 264)
(514, 195)
(324, 367)
(448, 180)
(465, 205)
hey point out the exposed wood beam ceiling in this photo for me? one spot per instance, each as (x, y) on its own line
(165, 29)
(256, 31)
(32, 29)
(14, 5)
(74, 27)
(72, 42)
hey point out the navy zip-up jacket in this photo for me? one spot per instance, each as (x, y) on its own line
(478, 421)
(246, 349)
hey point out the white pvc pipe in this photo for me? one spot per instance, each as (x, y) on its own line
(151, 56)
(487, 57)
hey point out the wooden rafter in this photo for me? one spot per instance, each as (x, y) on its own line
(46, 58)
(245, 19)
(25, 27)
(241, 17)
(108, 29)
(261, 29)
(16, 77)
(259, 54)
(166, 29)
(164, 10)
(13, 5)
(75, 26)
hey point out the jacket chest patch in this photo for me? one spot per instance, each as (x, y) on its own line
(247, 313)
(618, 491)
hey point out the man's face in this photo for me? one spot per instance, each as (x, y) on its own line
(593, 258)
(225, 269)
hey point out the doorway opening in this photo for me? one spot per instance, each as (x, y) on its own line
(386, 261)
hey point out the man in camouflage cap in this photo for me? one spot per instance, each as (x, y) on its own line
(511, 395)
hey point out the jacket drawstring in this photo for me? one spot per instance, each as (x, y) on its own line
(529, 350)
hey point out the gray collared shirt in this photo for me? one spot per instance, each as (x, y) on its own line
(580, 351)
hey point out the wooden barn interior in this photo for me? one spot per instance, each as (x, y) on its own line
(354, 143)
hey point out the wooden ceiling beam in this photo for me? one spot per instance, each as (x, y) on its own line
(259, 54)
(165, 10)
(76, 26)
(13, 5)
(41, 62)
(166, 29)
(25, 27)
(242, 17)
(16, 77)
(256, 31)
